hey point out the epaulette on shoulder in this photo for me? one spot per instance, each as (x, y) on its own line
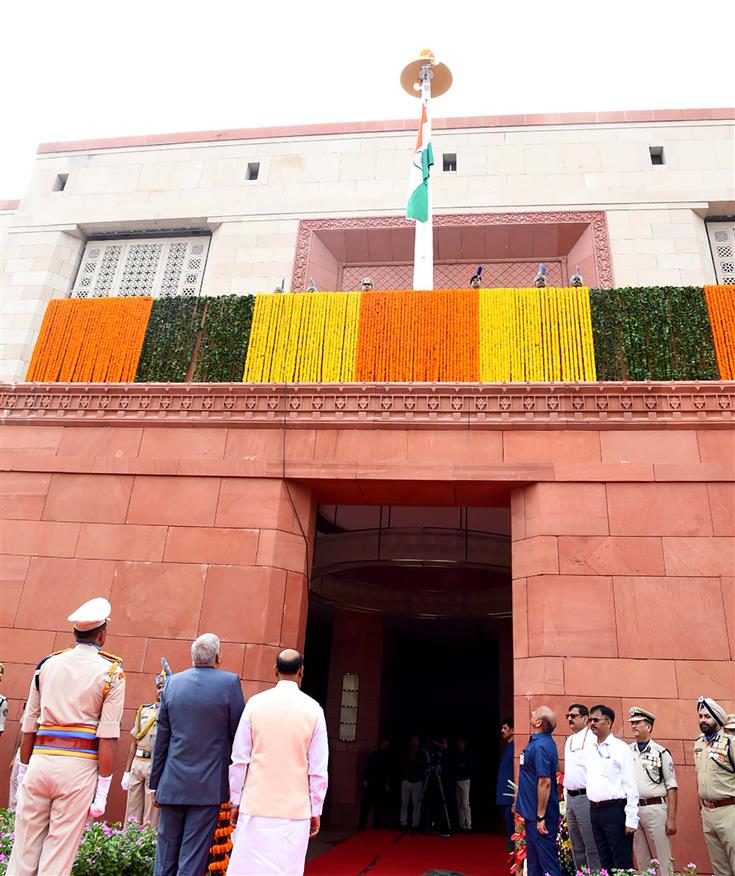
(113, 658)
(47, 657)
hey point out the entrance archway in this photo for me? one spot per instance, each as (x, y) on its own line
(409, 633)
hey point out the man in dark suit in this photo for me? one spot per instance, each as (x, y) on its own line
(199, 713)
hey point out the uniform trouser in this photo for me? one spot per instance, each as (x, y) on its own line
(185, 835)
(13, 791)
(464, 815)
(140, 800)
(410, 791)
(584, 850)
(719, 834)
(53, 803)
(614, 845)
(650, 840)
(541, 853)
(509, 827)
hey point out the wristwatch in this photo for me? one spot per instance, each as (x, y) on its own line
(540, 818)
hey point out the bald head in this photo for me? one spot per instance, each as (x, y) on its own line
(544, 718)
(289, 663)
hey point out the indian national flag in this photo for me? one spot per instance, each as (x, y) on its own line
(418, 181)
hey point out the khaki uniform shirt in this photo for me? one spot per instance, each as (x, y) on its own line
(145, 726)
(715, 765)
(654, 770)
(82, 685)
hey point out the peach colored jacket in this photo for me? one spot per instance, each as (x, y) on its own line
(280, 755)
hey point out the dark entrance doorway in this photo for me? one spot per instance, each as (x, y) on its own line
(411, 624)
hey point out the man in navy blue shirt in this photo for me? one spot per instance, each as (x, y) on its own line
(503, 791)
(538, 798)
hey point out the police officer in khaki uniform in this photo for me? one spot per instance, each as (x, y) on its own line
(657, 790)
(714, 761)
(70, 730)
(730, 724)
(138, 768)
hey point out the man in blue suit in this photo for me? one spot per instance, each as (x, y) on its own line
(503, 791)
(199, 713)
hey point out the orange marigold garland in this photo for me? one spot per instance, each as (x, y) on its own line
(219, 851)
(90, 340)
(721, 307)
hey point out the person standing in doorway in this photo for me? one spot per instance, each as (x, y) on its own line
(376, 785)
(278, 776)
(197, 719)
(463, 767)
(657, 790)
(576, 749)
(503, 791)
(412, 779)
(538, 797)
(612, 792)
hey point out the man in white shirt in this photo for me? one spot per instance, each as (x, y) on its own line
(279, 769)
(579, 821)
(612, 791)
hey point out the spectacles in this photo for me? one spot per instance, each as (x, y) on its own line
(596, 720)
(572, 715)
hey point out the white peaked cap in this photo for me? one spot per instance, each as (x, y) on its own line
(91, 615)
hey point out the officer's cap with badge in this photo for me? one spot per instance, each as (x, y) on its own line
(639, 714)
(93, 614)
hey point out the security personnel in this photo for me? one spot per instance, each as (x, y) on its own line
(657, 790)
(714, 761)
(730, 724)
(3, 703)
(138, 768)
(70, 730)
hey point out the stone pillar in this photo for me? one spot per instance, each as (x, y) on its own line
(357, 646)
(613, 584)
(38, 266)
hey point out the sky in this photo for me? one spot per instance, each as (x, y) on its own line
(76, 69)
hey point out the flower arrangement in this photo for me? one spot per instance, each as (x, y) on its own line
(105, 849)
(90, 339)
(219, 853)
(721, 307)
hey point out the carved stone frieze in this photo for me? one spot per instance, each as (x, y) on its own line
(420, 405)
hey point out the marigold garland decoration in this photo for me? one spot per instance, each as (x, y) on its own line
(721, 307)
(219, 851)
(536, 335)
(303, 338)
(95, 340)
(418, 337)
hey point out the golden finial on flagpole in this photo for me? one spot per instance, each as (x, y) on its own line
(440, 75)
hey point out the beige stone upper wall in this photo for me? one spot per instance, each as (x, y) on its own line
(655, 214)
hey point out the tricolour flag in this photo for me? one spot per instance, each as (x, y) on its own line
(423, 160)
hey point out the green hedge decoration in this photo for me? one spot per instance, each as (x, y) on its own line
(170, 339)
(224, 340)
(652, 333)
(203, 339)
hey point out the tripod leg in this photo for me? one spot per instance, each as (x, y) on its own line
(444, 806)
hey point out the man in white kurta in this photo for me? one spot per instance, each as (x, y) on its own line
(278, 776)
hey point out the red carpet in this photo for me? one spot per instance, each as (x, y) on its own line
(388, 853)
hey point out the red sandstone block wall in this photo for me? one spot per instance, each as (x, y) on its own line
(177, 555)
(624, 593)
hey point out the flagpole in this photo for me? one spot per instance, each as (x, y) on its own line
(416, 79)
(423, 243)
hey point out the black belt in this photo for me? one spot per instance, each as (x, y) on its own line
(577, 793)
(601, 804)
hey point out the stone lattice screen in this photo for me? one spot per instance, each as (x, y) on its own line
(455, 275)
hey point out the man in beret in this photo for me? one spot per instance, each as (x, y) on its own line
(714, 761)
(658, 793)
